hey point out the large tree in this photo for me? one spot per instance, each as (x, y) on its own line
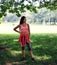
(18, 6)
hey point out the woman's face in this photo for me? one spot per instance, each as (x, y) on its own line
(24, 20)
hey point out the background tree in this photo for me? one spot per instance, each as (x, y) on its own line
(18, 6)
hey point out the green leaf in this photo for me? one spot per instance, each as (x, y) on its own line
(18, 14)
(1, 14)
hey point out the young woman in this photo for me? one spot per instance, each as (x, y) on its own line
(24, 39)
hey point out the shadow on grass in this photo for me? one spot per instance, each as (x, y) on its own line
(44, 47)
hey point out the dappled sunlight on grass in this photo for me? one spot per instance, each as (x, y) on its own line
(37, 46)
(44, 47)
(44, 57)
(15, 40)
(15, 52)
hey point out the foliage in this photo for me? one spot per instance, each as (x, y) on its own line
(52, 5)
(13, 6)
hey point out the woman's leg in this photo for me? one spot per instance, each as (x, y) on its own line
(23, 51)
(29, 49)
(30, 52)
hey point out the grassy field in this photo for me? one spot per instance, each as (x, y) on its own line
(7, 28)
(44, 47)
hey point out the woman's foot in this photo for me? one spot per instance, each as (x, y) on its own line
(23, 58)
(33, 60)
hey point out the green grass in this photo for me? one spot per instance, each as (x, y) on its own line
(44, 47)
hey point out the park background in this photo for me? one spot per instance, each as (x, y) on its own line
(42, 18)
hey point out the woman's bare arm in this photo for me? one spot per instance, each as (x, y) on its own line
(29, 29)
(15, 28)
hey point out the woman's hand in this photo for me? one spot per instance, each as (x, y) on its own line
(15, 28)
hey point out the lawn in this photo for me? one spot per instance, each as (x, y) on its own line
(44, 47)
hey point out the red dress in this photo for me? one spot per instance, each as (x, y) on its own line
(24, 37)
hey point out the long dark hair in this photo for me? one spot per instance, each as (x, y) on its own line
(22, 19)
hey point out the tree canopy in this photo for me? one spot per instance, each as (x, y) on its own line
(18, 6)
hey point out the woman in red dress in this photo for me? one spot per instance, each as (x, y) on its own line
(24, 38)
